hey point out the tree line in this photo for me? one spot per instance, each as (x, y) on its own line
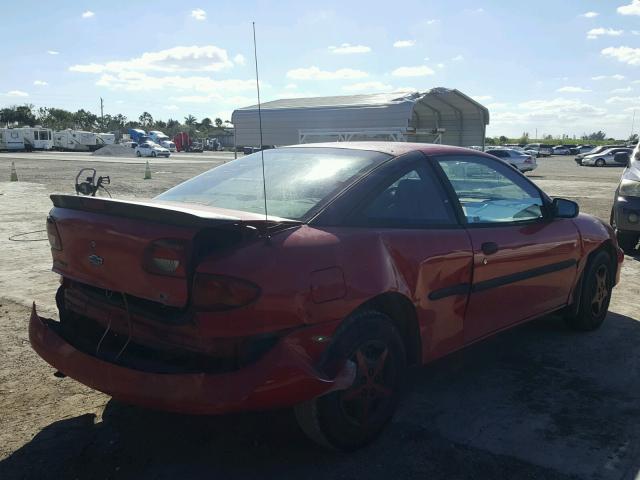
(61, 119)
(598, 137)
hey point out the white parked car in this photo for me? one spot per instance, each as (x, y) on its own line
(520, 160)
(150, 149)
(606, 157)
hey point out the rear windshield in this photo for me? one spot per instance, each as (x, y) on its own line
(299, 181)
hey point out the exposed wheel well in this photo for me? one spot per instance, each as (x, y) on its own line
(403, 313)
(608, 247)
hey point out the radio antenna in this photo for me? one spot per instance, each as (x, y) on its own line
(264, 180)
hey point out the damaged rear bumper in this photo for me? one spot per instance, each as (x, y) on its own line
(283, 377)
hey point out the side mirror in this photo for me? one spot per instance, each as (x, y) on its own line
(623, 158)
(563, 208)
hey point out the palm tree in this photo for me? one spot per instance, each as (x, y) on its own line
(190, 120)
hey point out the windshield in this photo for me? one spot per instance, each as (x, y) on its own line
(299, 181)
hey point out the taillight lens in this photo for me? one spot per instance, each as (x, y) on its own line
(166, 257)
(53, 235)
(218, 292)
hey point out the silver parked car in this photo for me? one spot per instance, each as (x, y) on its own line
(560, 150)
(606, 157)
(522, 161)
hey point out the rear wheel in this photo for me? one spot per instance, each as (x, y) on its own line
(600, 162)
(138, 154)
(595, 296)
(153, 154)
(351, 418)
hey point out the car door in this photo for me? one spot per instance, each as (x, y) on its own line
(428, 249)
(524, 262)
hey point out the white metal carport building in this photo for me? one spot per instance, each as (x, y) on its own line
(440, 115)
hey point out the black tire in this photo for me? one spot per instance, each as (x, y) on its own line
(138, 154)
(627, 241)
(600, 162)
(153, 154)
(597, 283)
(349, 419)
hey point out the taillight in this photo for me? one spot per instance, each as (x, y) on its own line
(53, 235)
(218, 292)
(166, 257)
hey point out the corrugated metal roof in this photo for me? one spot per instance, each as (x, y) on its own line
(374, 99)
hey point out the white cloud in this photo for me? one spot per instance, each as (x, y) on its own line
(15, 93)
(622, 90)
(314, 73)
(457, 58)
(496, 105)
(368, 87)
(474, 10)
(632, 9)
(569, 89)
(208, 58)
(52, 52)
(627, 100)
(594, 33)
(440, 65)
(556, 113)
(88, 14)
(617, 76)
(291, 86)
(172, 108)
(239, 59)
(628, 55)
(635, 32)
(432, 21)
(482, 98)
(138, 81)
(404, 43)
(590, 14)
(40, 83)
(347, 48)
(215, 97)
(198, 14)
(418, 71)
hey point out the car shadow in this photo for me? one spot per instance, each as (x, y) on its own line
(537, 401)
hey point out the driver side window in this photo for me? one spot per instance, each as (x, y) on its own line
(491, 192)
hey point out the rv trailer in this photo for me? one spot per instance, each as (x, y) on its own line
(77, 140)
(11, 139)
(37, 138)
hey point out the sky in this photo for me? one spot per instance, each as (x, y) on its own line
(544, 66)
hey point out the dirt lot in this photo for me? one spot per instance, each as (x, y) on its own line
(534, 402)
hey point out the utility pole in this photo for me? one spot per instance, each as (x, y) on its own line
(633, 122)
(536, 134)
(101, 113)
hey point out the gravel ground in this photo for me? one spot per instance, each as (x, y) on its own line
(534, 402)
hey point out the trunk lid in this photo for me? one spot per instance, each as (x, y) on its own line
(106, 243)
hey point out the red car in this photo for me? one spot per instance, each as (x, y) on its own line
(373, 257)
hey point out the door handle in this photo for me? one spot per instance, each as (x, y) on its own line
(489, 248)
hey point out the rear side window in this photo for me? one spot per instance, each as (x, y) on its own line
(412, 200)
(490, 191)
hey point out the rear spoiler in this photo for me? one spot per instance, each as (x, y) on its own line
(161, 212)
(143, 211)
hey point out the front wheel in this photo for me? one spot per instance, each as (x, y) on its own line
(349, 419)
(594, 299)
(627, 240)
(153, 154)
(600, 162)
(138, 154)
